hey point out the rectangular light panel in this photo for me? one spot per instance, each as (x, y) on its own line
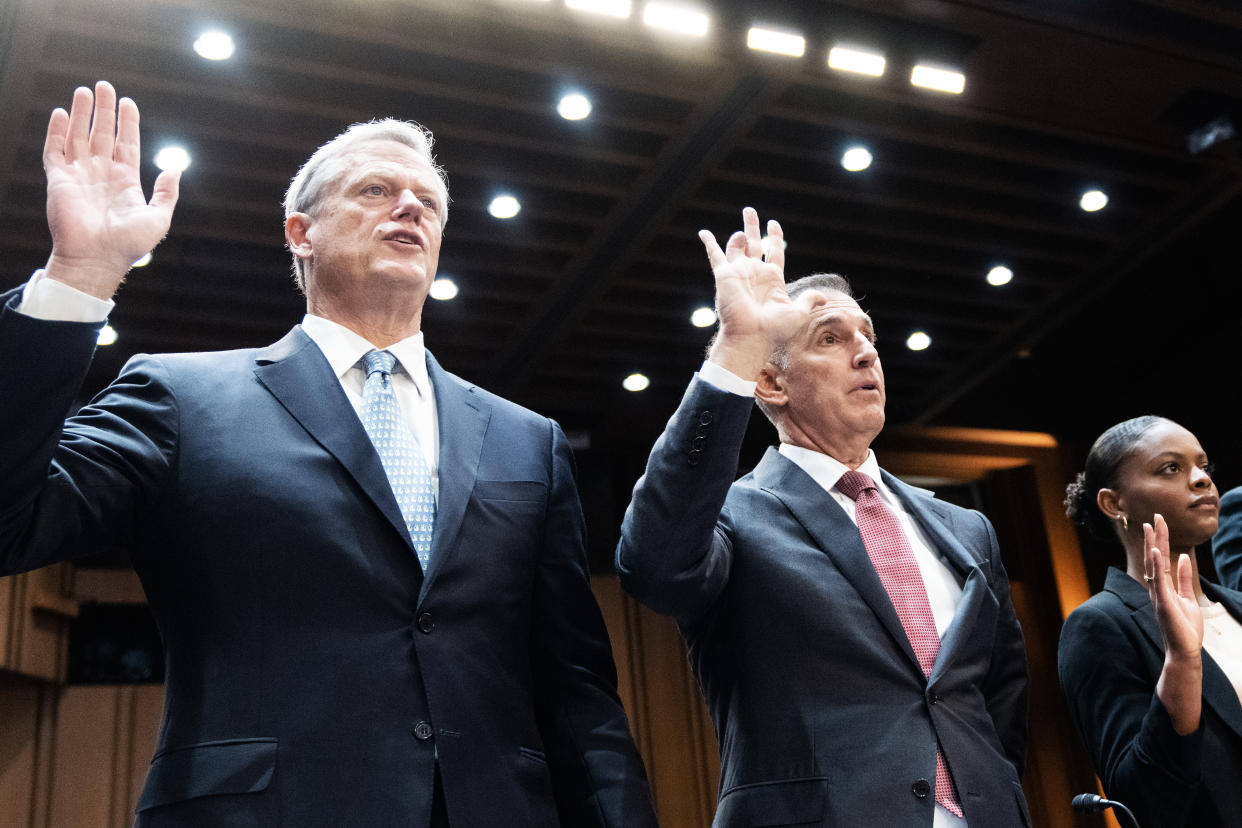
(845, 59)
(676, 18)
(942, 80)
(780, 43)
(612, 8)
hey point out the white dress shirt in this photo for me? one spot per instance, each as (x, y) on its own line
(1222, 638)
(944, 588)
(344, 350)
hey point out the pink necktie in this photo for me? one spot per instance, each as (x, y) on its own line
(894, 562)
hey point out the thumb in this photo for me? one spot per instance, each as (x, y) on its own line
(166, 191)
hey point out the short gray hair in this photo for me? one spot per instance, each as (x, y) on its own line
(780, 354)
(325, 166)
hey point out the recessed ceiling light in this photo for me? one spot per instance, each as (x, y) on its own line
(856, 159)
(143, 261)
(574, 107)
(678, 18)
(918, 341)
(172, 158)
(443, 289)
(1093, 200)
(504, 207)
(612, 8)
(107, 335)
(214, 45)
(703, 317)
(776, 42)
(635, 382)
(1000, 275)
(941, 80)
(859, 61)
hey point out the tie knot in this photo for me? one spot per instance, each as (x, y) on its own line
(854, 483)
(381, 361)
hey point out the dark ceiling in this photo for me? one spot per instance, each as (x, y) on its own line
(1109, 314)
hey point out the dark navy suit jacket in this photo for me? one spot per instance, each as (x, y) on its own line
(1227, 542)
(314, 675)
(1110, 658)
(822, 712)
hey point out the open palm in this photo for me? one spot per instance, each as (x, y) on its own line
(751, 298)
(98, 216)
(1176, 607)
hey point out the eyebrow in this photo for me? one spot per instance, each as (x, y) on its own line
(839, 318)
(1170, 454)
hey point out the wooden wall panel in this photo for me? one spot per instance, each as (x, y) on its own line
(35, 610)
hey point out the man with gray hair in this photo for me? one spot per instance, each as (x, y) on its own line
(369, 575)
(853, 636)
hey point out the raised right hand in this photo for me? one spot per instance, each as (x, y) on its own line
(754, 308)
(99, 219)
(1180, 686)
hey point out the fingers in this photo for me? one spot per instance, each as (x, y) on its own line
(128, 144)
(1151, 557)
(754, 239)
(77, 138)
(1185, 577)
(54, 144)
(715, 256)
(103, 125)
(1161, 529)
(736, 246)
(775, 253)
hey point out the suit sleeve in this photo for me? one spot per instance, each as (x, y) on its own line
(675, 552)
(1141, 759)
(1227, 542)
(73, 487)
(1007, 685)
(597, 774)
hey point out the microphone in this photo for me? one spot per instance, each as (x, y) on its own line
(1089, 803)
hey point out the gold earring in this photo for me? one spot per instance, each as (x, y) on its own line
(1125, 524)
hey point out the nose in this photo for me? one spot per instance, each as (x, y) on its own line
(1199, 478)
(866, 353)
(408, 206)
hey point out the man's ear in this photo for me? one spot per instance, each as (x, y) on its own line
(770, 387)
(297, 228)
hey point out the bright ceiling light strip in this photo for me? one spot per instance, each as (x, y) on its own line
(776, 42)
(941, 80)
(676, 18)
(612, 8)
(845, 59)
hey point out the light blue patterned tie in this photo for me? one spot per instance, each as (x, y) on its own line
(399, 452)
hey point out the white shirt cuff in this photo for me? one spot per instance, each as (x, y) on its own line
(726, 380)
(55, 301)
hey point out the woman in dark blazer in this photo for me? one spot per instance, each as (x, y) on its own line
(1162, 719)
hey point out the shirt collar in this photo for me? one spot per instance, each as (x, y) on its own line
(826, 471)
(344, 348)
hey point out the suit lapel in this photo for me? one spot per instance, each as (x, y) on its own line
(297, 374)
(463, 417)
(1218, 691)
(835, 534)
(929, 515)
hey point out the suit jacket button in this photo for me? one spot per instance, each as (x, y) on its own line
(692, 459)
(705, 418)
(698, 442)
(921, 788)
(426, 623)
(422, 731)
